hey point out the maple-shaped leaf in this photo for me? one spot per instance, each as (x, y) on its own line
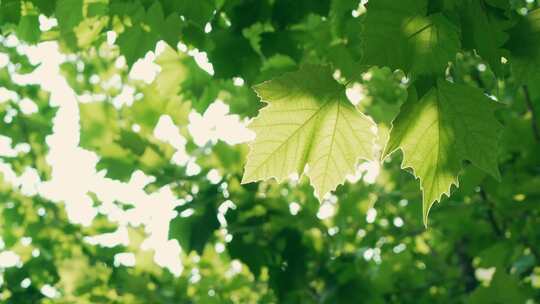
(308, 121)
(398, 34)
(149, 27)
(449, 124)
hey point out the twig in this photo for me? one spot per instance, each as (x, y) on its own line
(465, 263)
(530, 106)
(491, 215)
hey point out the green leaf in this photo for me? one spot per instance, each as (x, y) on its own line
(132, 141)
(28, 29)
(172, 74)
(162, 28)
(117, 162)
(89, 31)
(170, 30)
(198, 12)
(45, 6)
(69, 14)
(287, 12)
(340, 11)
(398, 34)
(97, 9)
(141, 37)
(30, 128)
(524, 45)
(99, 124)
(504, 288)
(233, 56)
(486, 33)
(134, 43)
(195, 230)
(308, 121)
(449, 124)
(10, 11)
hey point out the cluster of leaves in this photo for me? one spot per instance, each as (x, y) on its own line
(425, 70)
(55, 261)
(442, 124)
(27, 116)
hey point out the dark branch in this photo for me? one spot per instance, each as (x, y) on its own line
(530, 106)
(465, 263)
(491, 214)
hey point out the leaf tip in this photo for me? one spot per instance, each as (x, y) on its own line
(246, 180)
(425, 213)
(385, 153)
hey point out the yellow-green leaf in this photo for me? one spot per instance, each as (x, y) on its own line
(308, 121)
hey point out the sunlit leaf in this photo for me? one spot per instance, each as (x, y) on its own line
(308, 121)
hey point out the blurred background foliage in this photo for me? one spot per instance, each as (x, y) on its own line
(261, 242)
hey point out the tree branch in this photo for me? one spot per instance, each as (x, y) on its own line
(530, 106)
(465, 263)
(491, 215)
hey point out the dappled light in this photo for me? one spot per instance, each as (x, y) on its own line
(269, 151)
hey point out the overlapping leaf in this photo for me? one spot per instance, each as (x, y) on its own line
(486, 33)
(449, 124)
(149, 26)
(400, 35)
(524, 44)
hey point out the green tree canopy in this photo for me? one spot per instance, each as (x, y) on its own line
(269, 151)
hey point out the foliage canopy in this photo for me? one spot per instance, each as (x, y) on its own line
(365, 115)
